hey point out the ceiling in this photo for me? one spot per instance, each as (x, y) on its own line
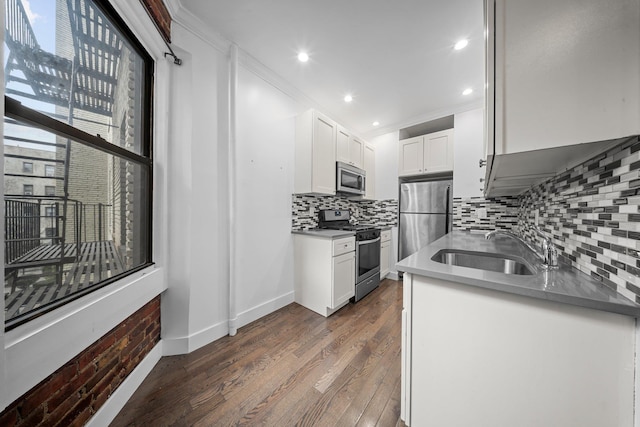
(395, 57)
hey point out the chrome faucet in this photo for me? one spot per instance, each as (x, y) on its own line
(549, 254)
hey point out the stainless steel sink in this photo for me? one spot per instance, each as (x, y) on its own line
(483, 261)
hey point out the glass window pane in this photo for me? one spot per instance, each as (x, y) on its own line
(27, 167)
(65, 59)
(49, 170)
(57, 247)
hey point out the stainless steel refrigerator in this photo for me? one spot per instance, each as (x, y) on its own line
(426, 214)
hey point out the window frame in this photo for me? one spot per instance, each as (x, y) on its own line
(24, 190)
(15, 110)
(26, 169)
(51, 168)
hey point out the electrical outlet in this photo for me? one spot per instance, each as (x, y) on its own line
(482, 213)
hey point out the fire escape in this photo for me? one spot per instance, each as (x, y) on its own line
(73, 253)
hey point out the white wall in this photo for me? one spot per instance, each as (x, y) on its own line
(264, 185)
(387, 183)
(195, 306)
(468, 149)
(386, 165)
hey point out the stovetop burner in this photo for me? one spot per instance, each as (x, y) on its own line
(340, 220)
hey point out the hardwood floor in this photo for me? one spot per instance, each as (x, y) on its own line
(290, 368)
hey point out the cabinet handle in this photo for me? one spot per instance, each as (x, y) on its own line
(482, 163)
(481, 179)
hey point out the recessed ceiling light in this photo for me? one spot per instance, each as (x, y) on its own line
(461, 44)
(303, 57)
(376, 123)
(348, 98)
(467, 91)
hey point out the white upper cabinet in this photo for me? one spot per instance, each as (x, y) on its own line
(349, 149)
(315, 157)
(427, 154)
(356, 152)
(370, 169)
(438, 151)
(559, 73)
(320, 142)
(411, 156)
(342, 145)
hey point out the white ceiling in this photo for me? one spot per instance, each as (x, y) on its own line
(395, 57)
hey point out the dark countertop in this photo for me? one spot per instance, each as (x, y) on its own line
(565, 285)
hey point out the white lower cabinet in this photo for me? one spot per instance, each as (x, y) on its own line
(385, 253)
(473, 356)
(342, 286)
(325, 272)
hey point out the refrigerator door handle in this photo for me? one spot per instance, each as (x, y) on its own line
(446, 222)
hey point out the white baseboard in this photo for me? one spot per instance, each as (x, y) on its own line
(263, 309)
(123, 393)
(184, 345)
(393, 275)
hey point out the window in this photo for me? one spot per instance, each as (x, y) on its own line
(27, 167)
(27, 189)
(80, 85)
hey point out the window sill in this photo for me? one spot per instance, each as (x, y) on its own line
(34, 350)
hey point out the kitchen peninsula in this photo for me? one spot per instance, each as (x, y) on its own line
(552, 347)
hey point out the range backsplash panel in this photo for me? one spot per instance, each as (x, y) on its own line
(304, 210)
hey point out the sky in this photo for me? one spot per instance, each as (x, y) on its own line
(41, 14)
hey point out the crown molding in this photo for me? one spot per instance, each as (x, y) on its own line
(137, 19)
(196, 26)
(190, 22)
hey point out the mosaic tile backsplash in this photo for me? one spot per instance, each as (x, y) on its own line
(501, 213)
(590, 212)
(378, 212)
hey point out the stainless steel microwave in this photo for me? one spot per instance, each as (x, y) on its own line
(350, 179)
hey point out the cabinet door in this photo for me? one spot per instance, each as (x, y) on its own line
(356, 150)
(411, 156)
(385, 248)
(323, 179)
(342, 145)
(344, 278)
(370, 169)
(566, 72)
(438, 152)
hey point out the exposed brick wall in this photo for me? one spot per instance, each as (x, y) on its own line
(72, 394)
(160, 15)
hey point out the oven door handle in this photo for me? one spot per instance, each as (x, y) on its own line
(364, 242)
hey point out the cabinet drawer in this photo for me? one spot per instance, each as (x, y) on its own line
(385, 235)
(342, 246)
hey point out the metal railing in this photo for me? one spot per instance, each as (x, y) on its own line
(34, 221)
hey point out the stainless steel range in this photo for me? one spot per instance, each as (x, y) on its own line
(367, 248)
